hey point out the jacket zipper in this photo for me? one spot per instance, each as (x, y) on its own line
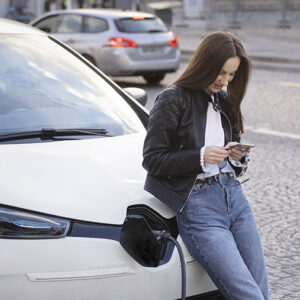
(188, 195)
(218, 108)
(230, 127)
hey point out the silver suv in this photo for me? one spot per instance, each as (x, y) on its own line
(120, 43)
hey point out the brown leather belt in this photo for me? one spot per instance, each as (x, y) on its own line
(214, 178)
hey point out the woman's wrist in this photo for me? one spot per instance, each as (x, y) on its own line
(203, 164)
(242, 163)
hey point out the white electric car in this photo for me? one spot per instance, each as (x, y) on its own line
(74, 217)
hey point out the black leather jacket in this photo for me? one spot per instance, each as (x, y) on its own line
(175, 135)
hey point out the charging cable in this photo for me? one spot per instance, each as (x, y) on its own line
(165, 236)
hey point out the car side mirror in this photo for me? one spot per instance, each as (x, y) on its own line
(138, 94)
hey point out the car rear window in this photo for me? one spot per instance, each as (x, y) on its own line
(140, 25)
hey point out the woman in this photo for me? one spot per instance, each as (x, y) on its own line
(192, 168)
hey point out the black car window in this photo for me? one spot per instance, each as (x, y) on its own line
(70, 24)
(48, 24)
(43, 85)
(140, 25)
(93, 25)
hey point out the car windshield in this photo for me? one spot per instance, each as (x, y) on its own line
(45, 86)
(141, 25)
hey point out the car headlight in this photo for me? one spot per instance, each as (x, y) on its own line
(20, 224)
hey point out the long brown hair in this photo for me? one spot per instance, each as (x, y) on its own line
(207, 62)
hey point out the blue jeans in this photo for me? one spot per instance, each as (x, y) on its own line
(218, 227)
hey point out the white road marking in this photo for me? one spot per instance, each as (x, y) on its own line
(290, 84)
(273, 132)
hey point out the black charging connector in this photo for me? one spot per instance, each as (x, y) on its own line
(165, 237)
(145, 235)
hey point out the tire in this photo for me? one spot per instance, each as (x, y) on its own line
(154, 78)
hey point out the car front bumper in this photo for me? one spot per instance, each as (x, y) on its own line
(89, 268)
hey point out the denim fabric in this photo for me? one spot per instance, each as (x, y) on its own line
(218, 227)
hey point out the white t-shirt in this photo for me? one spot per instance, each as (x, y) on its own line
(214, 136)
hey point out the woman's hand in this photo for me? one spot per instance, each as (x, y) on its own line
(215, 154)
(235, 153)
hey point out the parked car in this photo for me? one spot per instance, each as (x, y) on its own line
(71, 183)
(120, 43)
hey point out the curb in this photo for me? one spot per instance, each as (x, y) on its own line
(282, 60)
(262, 62)
(276, 67)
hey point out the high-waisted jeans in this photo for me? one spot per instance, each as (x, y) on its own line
(218, 227)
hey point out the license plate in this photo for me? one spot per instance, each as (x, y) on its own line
(152, 49)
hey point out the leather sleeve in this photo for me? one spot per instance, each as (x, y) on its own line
(162, 156)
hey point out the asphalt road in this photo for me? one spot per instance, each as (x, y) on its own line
(272, 118)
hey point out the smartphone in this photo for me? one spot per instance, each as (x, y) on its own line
(242, 147)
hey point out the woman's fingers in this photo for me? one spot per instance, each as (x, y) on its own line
(236, 154)
(215, 154)
(230, 144)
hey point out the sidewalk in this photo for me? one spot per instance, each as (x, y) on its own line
(269, 47)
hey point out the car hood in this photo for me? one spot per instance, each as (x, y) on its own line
(91, 180)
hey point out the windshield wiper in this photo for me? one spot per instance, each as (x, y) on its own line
(52, 134)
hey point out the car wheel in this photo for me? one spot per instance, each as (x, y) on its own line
(89, 58)
(154, 78)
